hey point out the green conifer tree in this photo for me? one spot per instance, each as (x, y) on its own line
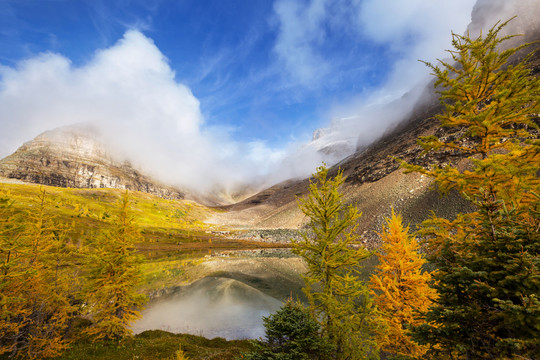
(487, 261)
(115, 275)
(291, 334)
(330, 248)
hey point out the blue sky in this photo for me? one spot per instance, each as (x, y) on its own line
(259, 75)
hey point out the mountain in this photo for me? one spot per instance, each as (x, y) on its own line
(74, 157)
(374, 181)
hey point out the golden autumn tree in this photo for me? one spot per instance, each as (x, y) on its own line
(12, 276)
(36, 285)
(487, 261)
(401, 288)
(338, 298)
(114, 277)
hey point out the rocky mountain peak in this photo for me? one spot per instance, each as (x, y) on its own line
(74, 156)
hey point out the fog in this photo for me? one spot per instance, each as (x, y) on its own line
(416, 30)
(131, 94)
(211, 307)
(487, 13)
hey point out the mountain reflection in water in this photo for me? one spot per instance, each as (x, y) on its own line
(211, 307)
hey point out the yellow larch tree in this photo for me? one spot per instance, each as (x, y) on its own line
(401, 288)
(12, 310)
(36, 288)
(487, 261)
(114, 277)
(338, 298)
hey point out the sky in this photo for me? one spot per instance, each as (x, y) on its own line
(209, 92)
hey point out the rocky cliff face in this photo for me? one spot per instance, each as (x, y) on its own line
(74, 157)
(527, 12)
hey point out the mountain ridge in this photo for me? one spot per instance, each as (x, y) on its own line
(74, 157)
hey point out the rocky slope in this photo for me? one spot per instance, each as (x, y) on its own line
(74, 157)
(374, 181)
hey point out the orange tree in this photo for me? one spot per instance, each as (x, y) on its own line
(487, 261)
(401, 288)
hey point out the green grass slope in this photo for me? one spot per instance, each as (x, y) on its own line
(156, 345)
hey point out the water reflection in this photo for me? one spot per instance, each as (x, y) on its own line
(211, 307)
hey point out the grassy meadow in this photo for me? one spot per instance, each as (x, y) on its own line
(174, 236)
(159, 345)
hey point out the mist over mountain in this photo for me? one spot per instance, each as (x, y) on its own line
(74, 156)
(148, 119)
(374, 180)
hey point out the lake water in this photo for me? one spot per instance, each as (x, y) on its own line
(211, 307)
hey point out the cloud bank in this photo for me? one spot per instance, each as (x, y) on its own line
(129, 92)
(400, 33)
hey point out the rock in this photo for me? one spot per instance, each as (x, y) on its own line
(487, 12)
(74, 157)
(374, 182)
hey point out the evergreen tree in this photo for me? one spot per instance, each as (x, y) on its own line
(401, 287)
(337, 296)
(487, 261)
(115, 274)
(291, 334)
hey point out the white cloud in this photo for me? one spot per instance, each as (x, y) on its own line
(410, 30)
(487, 13)
(129, 92)
(300, 33)
(414, 30)
(407, 31)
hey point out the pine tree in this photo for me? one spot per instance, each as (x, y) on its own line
(487, 261)
(115, 275)
(337, 296)
(401, 287)
(291, 334)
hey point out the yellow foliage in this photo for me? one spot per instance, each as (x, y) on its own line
(180, 355)
(115, 275)
(91, 209)
(35, 282)
(401, 288)
(338, 298)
